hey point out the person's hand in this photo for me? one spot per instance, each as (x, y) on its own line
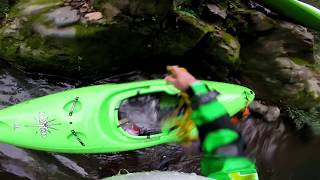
(180, 77)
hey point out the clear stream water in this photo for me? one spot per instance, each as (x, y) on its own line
(280, 151)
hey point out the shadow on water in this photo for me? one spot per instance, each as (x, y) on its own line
(280, 151)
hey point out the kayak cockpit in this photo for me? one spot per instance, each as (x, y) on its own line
(142, 115)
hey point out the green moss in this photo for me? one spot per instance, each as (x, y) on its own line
(34, 42)
(300, 61)
(17, 8)
(219, 44)
(195, 21)
(181, 3)
(38, 2)
(50, 55)
(8, 48)
(83, 31)
(314, 67)
(230, 40)
(95, 47)
(222, 47)
(181, 9)
(14, 11)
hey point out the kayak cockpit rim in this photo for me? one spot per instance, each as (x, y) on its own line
(143, 90)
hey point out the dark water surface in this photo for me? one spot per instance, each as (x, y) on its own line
(281, 152)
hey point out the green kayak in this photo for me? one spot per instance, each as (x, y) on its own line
(298, 11)
(86, 120)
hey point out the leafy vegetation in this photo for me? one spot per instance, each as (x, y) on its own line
(302, 118)
(4, 8)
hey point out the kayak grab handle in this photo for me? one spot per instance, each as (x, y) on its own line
(75, 134)
(73, 106)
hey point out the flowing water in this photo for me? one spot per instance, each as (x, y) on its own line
(280, 151)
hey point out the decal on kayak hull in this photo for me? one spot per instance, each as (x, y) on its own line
(44, 124)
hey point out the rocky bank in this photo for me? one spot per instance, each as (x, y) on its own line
(238, 39)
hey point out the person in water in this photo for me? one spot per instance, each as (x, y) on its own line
(222, 146)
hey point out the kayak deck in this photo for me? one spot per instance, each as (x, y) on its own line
(86, 120)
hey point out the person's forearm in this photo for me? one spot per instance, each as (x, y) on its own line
(205, 105)
(211, 118)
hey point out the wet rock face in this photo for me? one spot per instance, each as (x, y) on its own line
(280, 66)
(156, 9)
(56, 36)
(316, 47)
(183, 35)
(214, 12)
(81, 38)
(269, 113)
(250, 24)
(223, 47)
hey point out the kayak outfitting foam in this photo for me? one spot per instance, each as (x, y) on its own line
(298, 11)
(86, 120)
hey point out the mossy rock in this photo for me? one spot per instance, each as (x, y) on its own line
(249, 24)
(135, 32)
(31, 41)
(154, 9)
(222, 47)
(279, 67)
(182, 35)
